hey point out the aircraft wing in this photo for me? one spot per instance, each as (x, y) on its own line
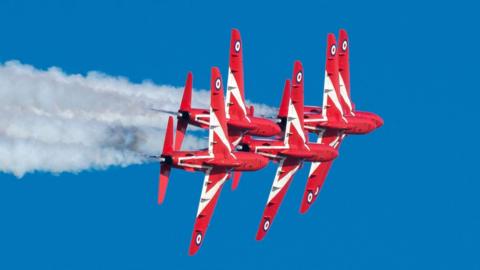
(212, 185)
(319, 170)
(283, 177)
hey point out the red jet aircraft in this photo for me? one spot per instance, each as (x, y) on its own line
(337, 117)
(239, 120)
(216, 162)
(290, 152)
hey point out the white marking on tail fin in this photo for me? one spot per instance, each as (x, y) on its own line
(294, 120)
(218, 142)
(329, 92)
(344, 94)
(216, 128)
(234, 90)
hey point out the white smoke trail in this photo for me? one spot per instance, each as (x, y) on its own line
(54, 122)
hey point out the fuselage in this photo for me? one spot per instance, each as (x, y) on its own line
(357, 123)
(256, 127)
(201, 160)
(372, 116)
(276, 149)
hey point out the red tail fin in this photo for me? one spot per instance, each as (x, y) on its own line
(185, 106)
(294, 132)
(235, 99)
(163, 182)
(251, 111)
(283, 110)
(168, 141)
(218, 133)
(332, 108)
(236, 179)
(165, 167)
(344, 71)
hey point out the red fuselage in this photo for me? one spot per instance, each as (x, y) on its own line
(275, 149)
(360, 123)
(256, 127)
(202, 160)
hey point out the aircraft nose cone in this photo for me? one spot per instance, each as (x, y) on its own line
(263, 161)
(270, 129)
(265, 128)
(370, 125)
(276, 129)
(329, 153)
(378, 121)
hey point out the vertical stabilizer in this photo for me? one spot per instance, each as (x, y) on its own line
(218, 140)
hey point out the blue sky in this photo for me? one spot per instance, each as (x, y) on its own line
(403, 197)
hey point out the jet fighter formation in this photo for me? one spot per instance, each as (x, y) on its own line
(239, 141)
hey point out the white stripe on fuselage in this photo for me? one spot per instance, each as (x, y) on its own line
(182, 160)
(259, 149)
(205, 116)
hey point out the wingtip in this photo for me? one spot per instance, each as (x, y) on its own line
(331, 37)
(235, 33)
(236, 180)
(331, 45)
(186, 101)
(260, 235)
(192, 250)
(163, 180)
(297, 66)
(189, 80)
(236, 43)
(297, 76)
(263, 228)
(342, 34)
(195, 243)
(215, 72)
(216, 82)
(343, 42)
(308, 198)
(304, 207)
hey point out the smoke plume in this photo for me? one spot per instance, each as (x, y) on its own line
(55, 122)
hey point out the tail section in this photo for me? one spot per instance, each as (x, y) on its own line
(294, 132)
(236, 179)
(182, 117)
(165, 165)
(251, 111)
(235, 99)
(218, 142)
(186, 103)
(283, 110)
(168, 141)
(344, 73)
(332, 108)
